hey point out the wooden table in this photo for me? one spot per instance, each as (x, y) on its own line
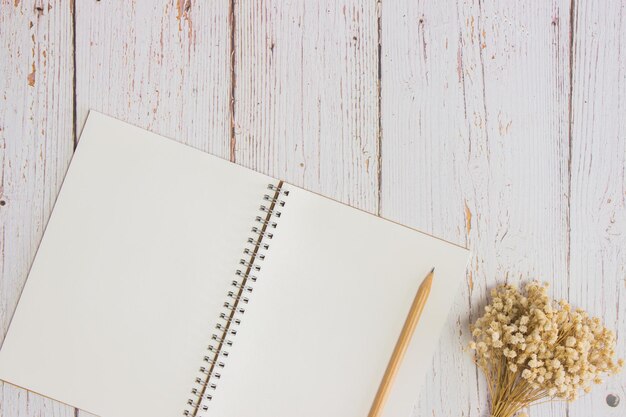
(499, 125)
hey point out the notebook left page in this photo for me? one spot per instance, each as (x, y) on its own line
(131, 274)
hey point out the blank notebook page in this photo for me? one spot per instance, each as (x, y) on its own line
(139, 255)
(132, 273)
(331, 300)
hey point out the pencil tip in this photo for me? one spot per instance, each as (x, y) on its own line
(432, 270)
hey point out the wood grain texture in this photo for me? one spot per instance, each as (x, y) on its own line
(496, 125)
(163, 66)
(36, 143)
(306, 105)
(597, 250)
(21, 403)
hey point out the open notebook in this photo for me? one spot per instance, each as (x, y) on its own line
(170, 282)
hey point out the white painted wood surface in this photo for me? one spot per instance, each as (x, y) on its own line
(497, 125)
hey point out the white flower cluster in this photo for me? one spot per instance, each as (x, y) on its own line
(550, 349)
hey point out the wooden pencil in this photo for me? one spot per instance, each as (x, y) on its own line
(402, 344)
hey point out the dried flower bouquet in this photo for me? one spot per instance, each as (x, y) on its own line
(532, 348)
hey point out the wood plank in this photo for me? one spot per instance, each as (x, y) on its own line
(306, 105)
(163, 66)
(598, 182)
(475, 150)
(36, 143)
(21, 403)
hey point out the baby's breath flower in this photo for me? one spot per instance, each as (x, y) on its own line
(533, 347)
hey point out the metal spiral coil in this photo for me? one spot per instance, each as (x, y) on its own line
(234, 307)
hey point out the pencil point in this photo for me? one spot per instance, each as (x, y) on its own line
(428, 280)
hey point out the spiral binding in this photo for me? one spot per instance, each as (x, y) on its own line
(234, 307)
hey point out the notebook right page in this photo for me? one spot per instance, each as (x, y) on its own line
(331, 298)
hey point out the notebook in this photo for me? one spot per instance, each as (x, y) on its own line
(170, 282)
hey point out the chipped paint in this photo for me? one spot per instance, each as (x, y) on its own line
(31, 76)
(183, 7)
(503, 128)
(468, 218)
